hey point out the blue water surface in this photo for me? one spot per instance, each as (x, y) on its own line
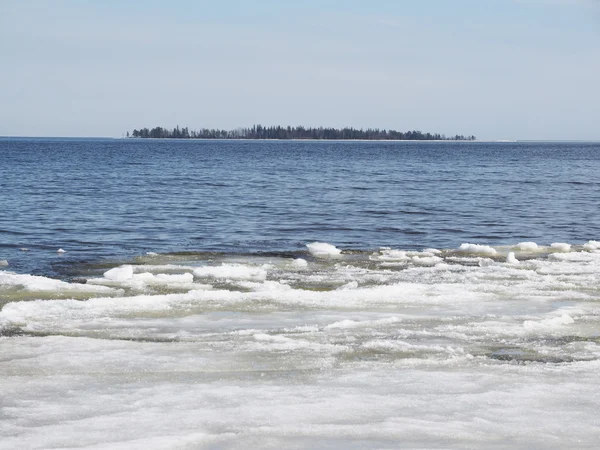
(114, 198)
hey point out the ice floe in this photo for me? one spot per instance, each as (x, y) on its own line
(323, 250)
(478, 249)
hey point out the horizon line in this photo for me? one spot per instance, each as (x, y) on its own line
(508, 141)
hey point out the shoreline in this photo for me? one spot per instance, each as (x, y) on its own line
(480, 141)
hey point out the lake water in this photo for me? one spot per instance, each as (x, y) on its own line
(452, 300)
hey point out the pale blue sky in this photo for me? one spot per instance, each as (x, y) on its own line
(499, 69)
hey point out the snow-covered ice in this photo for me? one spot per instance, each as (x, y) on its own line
(397, 347)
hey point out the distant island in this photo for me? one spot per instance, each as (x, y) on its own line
(300, 132)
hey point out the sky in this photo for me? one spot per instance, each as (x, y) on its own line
(498, 69)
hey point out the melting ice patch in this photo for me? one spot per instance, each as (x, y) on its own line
(232, 272)
(391, 255)
(561, 247)
(591, 245)
(511, 259)
(33, 283)
(347, 323)
(323, 250)
(526, 246)
(478, 249)
(350, 285)
(134, 280)
(299, 263)
(548, 323)
(427, 257)
(119, 273)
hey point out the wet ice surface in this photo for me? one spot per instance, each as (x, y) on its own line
(392, 348)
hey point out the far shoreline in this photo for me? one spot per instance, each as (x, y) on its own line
(481, 141)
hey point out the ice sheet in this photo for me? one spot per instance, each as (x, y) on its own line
(429, 349)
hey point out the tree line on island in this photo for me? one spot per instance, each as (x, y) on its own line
(299, 132)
